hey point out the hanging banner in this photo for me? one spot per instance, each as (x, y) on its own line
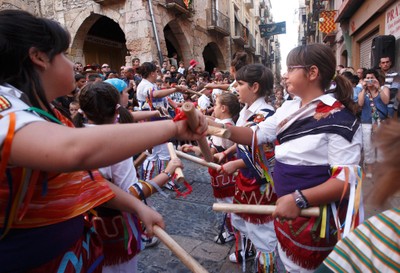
(327, 21)
(268, 30)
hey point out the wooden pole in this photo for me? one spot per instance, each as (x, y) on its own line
(140, 159)
(190, 111)
(178, 171)
(219, 132)
(259, 209)
(182, 255)
(194, 92)
(197, 160)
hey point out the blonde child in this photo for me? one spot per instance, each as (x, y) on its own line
(73, 108)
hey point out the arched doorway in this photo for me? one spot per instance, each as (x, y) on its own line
(172, 42)
(212, 57)
(177, 42)
(105, 43)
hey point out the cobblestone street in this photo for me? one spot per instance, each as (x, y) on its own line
(192, 223)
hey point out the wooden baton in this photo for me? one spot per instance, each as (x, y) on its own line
(182, 255)
(190, 111)
(219, 132)
(140, 159)
(197, 160)
(259, 209)
(178, 171)
(194, 92)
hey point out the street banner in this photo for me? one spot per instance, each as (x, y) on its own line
(268, 30)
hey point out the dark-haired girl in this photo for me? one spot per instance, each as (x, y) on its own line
(151, 98)
(226, 108)
(317, 155)
(48, 170)
(253, 183)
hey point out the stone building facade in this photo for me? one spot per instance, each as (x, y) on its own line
(116, 31)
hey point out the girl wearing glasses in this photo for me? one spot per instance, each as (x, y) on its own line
(317, 155)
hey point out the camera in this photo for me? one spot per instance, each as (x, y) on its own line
(369, 81)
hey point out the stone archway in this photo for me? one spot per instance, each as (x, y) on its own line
(176, 41)
(105, 43)
(98, 39)
(212, 57)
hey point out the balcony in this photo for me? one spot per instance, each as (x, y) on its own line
(248, 4)
(251, 44)
(240, 36)
(218, 22)
(108, 2)
(329, 38)
(347, 9)
(178, 6)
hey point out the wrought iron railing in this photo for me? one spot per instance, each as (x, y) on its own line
(218, 21)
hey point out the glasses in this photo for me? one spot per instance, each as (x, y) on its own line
(293, 67)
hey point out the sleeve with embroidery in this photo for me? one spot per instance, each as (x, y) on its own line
(266, 130)
(23, 118)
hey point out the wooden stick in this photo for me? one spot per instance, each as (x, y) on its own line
(219, 132)
(140, 159)
(193, 122)
(197, 160)
(259, 209)
(182, 255)
(178, 171)
(194, 92)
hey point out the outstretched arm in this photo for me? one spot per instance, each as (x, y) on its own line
(58, 148)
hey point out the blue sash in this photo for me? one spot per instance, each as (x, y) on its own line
(342, 123)
(288, 178)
